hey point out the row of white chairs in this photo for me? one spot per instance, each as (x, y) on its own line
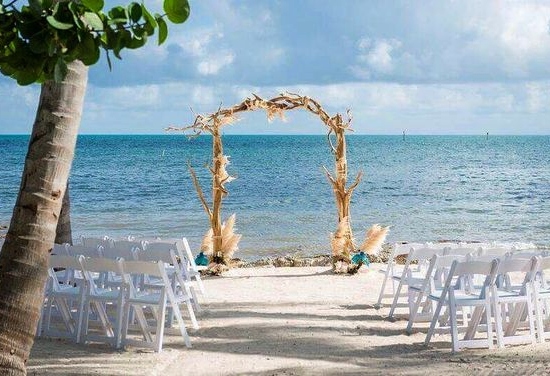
(126, 248)
(419, 254)
(113, 291)
(479, 296)
(432, 283)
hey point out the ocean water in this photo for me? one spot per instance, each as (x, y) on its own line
(426, 188)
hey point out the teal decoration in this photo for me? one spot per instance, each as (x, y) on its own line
(360, 258)
(201, 259)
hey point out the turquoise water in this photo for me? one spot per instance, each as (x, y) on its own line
(426, 188)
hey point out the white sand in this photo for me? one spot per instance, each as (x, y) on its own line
(291, 321)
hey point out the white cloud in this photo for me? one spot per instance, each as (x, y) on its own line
(211, 65)
(376, 56)
(154, 107)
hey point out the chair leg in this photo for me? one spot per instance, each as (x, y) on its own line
(159, 335)
(539, 318)
(395, 298)
(437, 311)
(454, 329)
(489, 324)
(499, 324)
(414, 311)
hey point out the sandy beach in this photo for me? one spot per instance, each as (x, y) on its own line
(291, 321)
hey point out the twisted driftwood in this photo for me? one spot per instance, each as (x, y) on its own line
(342, 241)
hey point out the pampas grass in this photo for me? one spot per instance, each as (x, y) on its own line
(374, 238)
(230, 244)
(207, 245)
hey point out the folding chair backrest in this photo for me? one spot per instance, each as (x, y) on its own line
(422, 255)
(116, 253)
(528, 266)
(155, 269)
(527, 253)
(404, 249)
(439, 268)
(69, 263)
(99, 265)
(468, 272)
(511, 265)
(60, 249)
(128, 245)
(462, 251)
(161, 245)
(184, 252)
(155, 254)
(475, 268)
(93, 252)
(496, 251)
(104, 242)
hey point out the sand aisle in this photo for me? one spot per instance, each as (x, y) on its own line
(291, 321)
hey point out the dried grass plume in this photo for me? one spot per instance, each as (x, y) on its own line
(374, 239)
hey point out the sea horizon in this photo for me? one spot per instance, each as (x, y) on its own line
(427, 188)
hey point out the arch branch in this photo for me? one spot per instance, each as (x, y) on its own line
(342, 243)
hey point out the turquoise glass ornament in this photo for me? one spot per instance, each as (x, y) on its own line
(201, 259)
(360, 258)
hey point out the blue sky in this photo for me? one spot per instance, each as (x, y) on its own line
(427, 67)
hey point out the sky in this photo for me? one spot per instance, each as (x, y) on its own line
(423, 67)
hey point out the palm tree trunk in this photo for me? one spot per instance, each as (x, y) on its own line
(63, 232)
(30, 238)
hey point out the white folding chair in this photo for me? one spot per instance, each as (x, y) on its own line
(180, 263)
(184, 292)
(391, 272)
(183, 251)
(514, 305)
(92, 252)
(60, 249)
(414, 271)
(458, 293)
(103, 300)
(65, 298)
(90, 242)
(434, 280)
(158, 300)
(542, 299)
(462, 251)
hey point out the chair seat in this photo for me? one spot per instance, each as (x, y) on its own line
(105, 294)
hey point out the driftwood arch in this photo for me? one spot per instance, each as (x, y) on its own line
(220, 241)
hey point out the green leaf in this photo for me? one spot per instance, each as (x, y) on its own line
(36, 6)
(118, 13)
(134, 43)
(93, 21)
(60, 70)
(149, 19)
(57, 24)
(134, 11)
(163, 30)
(88, 50)
(38, 44)
(75, 11)
(176, 10)
(93, 5)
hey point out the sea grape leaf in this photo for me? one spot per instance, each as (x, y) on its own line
(60, 70)
(163, 30)
(93, 5)
(93, 21)
(134, 11)
(58, 24)
(177, 11)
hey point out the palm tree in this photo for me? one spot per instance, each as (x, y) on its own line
(23, 260)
